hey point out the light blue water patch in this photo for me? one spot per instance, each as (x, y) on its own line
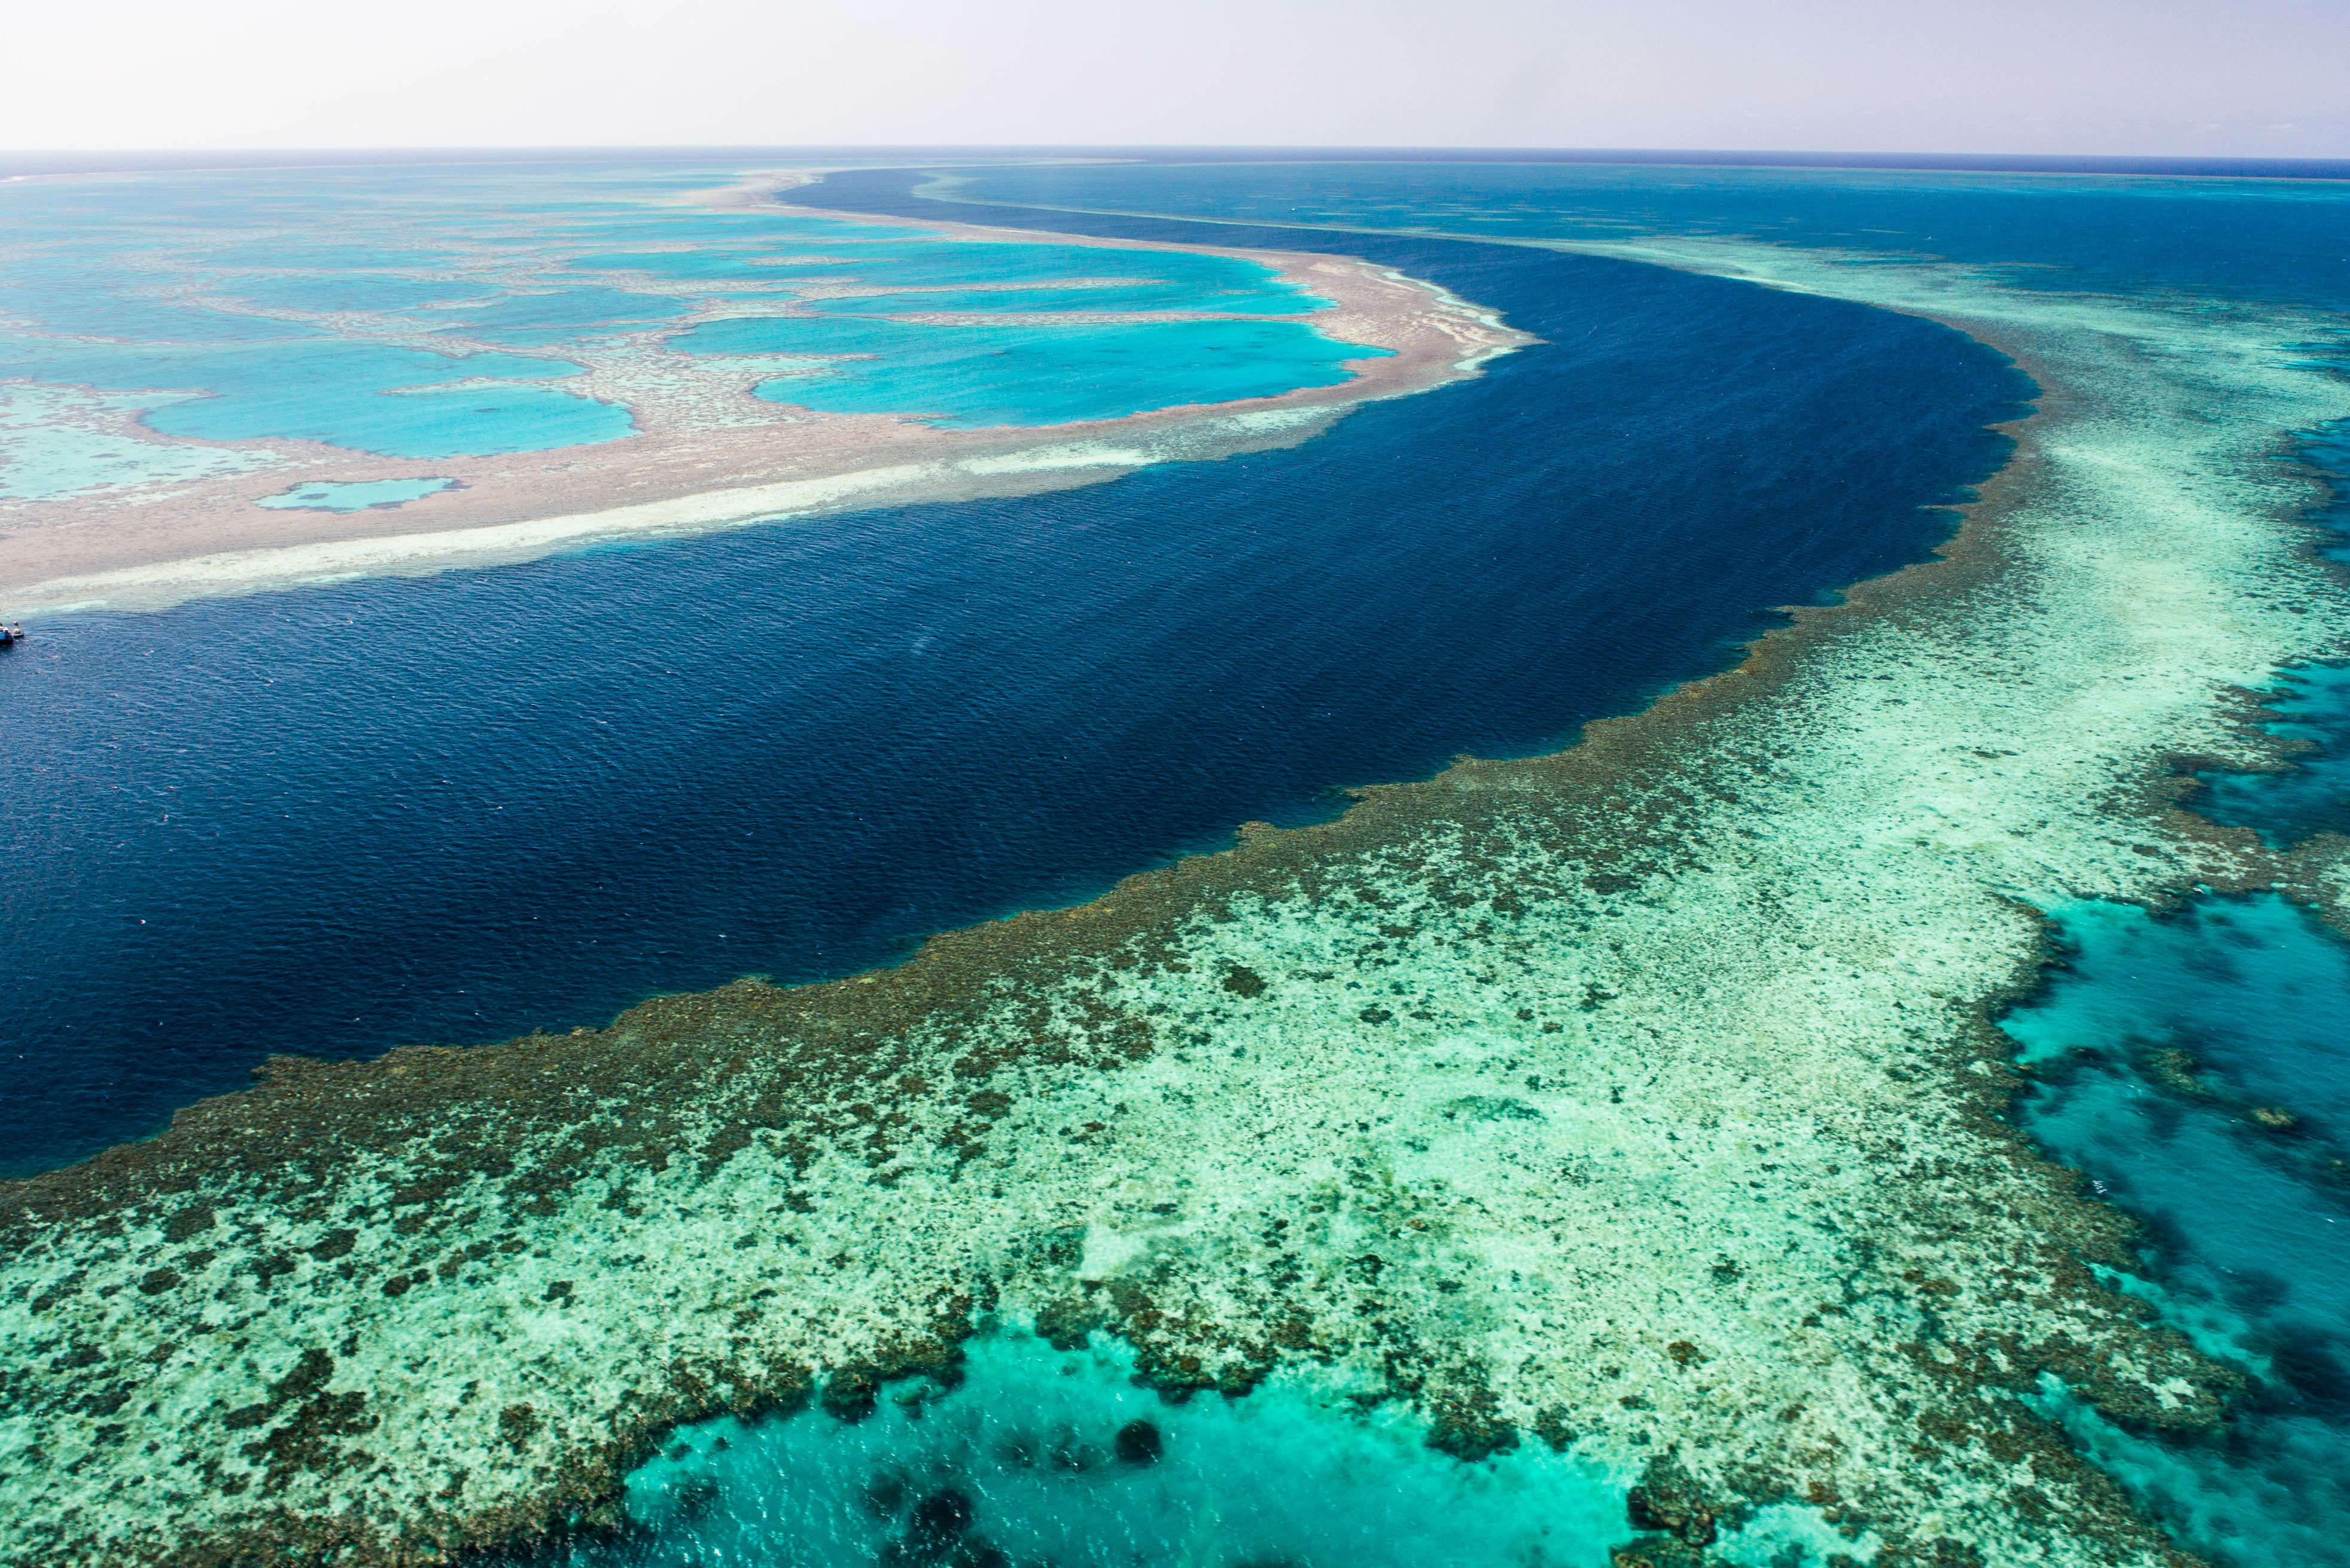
(745, 265)
(336, 392)
(747, 228)
(2197, 1066)
(559, 337)
(970, 378)
(1162, 280)
(564, 308)
(355, 291)
(329, 495)
(965, 377)
(1045, 1457)
(76, 308)
(947, 262)
(336, 242)
(299, 251)
(1124, 297)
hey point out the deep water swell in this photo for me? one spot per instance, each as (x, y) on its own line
(339, 819)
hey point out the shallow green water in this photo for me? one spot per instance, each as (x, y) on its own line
(1038, 1456)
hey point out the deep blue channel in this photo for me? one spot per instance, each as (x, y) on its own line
(452, 809)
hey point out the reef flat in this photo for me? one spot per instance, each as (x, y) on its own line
(1639, 1100)
(676, 430)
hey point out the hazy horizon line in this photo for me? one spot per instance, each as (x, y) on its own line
(18, 164)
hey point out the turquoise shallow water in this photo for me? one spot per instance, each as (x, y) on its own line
(590, 307)
(1028, 1455)
(342, 291)
(55, 441)
(367, 398)
(961, 377)
(2197, 1066)
(1043, 1457)
(296, 299)
(65, 307)
(1149, 296)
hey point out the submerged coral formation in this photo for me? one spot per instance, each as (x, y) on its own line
(1639, 1103)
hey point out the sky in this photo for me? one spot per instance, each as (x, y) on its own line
(2243, 77)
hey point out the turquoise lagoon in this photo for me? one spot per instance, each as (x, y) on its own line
(964, 377)
(394, 402)
(340, 292)
(594, 305)
(312, 303)
(1176, 280)
(61, 305)
(1149, 296)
